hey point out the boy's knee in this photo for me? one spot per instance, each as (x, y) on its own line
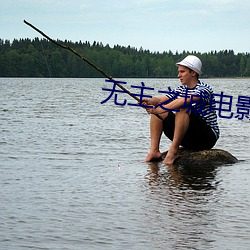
(184, 111)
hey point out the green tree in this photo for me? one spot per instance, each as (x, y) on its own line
(247, 69)
(41, 58)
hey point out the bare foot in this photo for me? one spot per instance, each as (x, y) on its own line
(170, 157)
(153, 156)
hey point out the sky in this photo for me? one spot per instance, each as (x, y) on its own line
(155, 25)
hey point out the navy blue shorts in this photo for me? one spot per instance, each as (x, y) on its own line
(199, 135)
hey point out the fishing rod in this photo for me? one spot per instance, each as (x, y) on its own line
(86, 60)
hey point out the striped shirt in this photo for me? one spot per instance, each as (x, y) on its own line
(203, 107)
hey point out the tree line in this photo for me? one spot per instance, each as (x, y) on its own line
(41, 58)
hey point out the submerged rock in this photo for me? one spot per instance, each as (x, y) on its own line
(204, 157)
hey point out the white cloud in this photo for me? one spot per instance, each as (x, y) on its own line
(83, 6)
(149, 2)
(221, 2)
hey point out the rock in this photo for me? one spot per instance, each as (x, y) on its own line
(204, 157)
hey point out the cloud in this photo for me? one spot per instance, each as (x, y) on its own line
(83, 6)
(149, 2)
(222, 2)
(152, 24)
(225, 5)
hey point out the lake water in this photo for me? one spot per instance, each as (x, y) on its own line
(72, 174)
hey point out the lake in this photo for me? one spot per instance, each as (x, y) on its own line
(72, 173)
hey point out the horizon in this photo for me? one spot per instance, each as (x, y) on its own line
(128, 46)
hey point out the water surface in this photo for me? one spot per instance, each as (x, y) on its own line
(72, 175)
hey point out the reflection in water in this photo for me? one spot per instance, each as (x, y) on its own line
(183, 196)
(183, 177)
(61, 189)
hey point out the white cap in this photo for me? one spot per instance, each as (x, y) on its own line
(191, 62)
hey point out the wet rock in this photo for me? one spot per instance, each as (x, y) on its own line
(204, 157)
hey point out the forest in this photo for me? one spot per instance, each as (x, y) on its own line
(41, 58)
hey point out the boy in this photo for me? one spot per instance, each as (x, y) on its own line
(194, 124)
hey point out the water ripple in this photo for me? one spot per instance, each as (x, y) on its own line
(72, 174)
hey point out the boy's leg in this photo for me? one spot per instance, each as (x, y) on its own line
(156, 128)
(181, 127)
